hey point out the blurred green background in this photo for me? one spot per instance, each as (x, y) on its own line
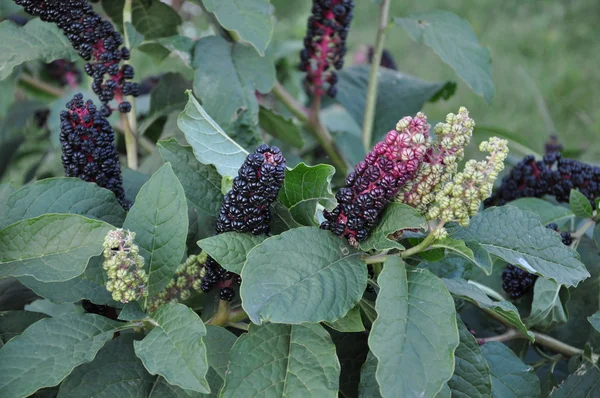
(545, 57)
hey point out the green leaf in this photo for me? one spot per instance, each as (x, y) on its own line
(167, 97)
(282, 219)
(37, 40)
(396, 217)
(63, 196)
(13, 323)
(210, 143)
(8, 87)
(584, 382)
(595, 320)
(50, 248)
(282, 361)
(54, 310)
(252, 20)
(115, 372)
(580, 205)
(453, 40)
(596, 235)
(303, 188)
(162, 389)
(349, 323)
(548, 212)
(151, 18)
(5, 191)
(368, 386)
(510, 377)
(49, 350)
(135, 37)
(471, 376)
(471, 293)
(478, 256)
(398, 95)
(227, 76)
(201, 183)
(415, 333)
(132, 312)
(280, 127)
(519, 238)
(159, 217)
(230, 249)
(174, 348)
(549, 306)
(306, 265)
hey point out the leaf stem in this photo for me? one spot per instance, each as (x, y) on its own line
(378, 258)
(420, 247)
(290, 102)
(367, 131)
(221, 318)
(237, 315)
(130, 143)
(510, 334)
(130, 120)
(239, 325)
(41, 85)
(577, 235)
(488, 291)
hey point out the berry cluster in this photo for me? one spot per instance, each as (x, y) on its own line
(64, 72)
(88, 148)
(325, 45)
(566, 237)
(376, 180)
(553, 175)
(124, 266)
(96, 41)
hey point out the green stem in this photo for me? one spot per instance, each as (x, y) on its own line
(40, 85)
(236, 316)
(130, 121)
(488, 291)
(367, 131)
(378, 258)
(221, 318)
(290, 102)
(239, 325)
(420, 247)
(130, 143)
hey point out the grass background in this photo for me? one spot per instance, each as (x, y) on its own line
(545, 54)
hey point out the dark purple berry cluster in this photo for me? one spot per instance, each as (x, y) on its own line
(553, 175)
(516, 282)
(376, 180)
(64, 72)
(96, 41)
(88, 144)
(246, 208)
(325, 45)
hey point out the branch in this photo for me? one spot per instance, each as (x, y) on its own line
(367, 132)
(41, 85)
(510, 334)
(290, 102)
(129, 121)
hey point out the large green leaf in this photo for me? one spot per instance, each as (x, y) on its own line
(303, 188)
(472, 252)
(159, 217)
(54, 310)
(518, 237)
(584, 382)
(511, 378)
(549, 306)
(368, 386)
(548, 212)
(415, 333)
(201, 183)
(227, 76)
(210, 143)
(453, 40)
(50, 248)
(174, 348)
(167, 97)
(13, 323)
(151, 18)
(115, 372)
(49, 350)
(252, 20)
(230, 249)
(471, 376)
(280, 127)
(37, 40)
(398, 95)
(305, 265)
(396, 217)
(63, 195)
(504, 309)
(283, 361)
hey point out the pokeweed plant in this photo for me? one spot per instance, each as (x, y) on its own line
(220, 262)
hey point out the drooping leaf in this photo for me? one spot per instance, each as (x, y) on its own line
(283, 360)
(280, 127)
(160, 220)
(230, 249)
(471, 293)
(511, 378)
(453, 40)
(62, 196)
(168, 96)
(595, 320)
(396, 217)
(415, 333)
(303, 188)
(252, 20)
(151, 18)
(54, 310)
(13, 323)
(133, 181)
(584, 382)
(306, 265)
(37, 40)
(580, 205)
(519, 238)
(349, 323)
(132, 312)
(473, 252)
(52, 247)
(49, 350)
(210, 143)
(548, 212)
(368, 387)
(174, 348)
(549, 306)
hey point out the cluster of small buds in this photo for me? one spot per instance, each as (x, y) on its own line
(461, 198)
(376, 180)
(124, 266)
(64, 72)
(96, 41)
(553, 175)
(325, 45)
(440, 162)
(88, 145)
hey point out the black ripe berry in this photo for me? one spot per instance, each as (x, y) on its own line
(516, 282)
